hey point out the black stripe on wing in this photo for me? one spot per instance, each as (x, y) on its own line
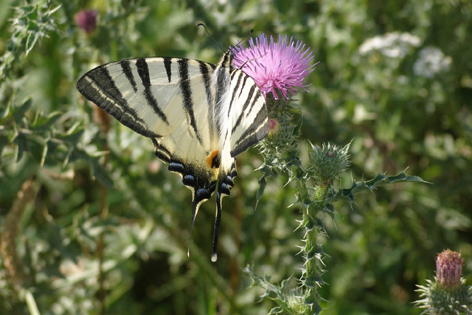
(251, 99)
(257, 130)
(126, 67)
(187, 95)
(167, 66)
(239, 86)
(161, 152)
(205, 69)
(222, 73)
(143, 71)
(99, 87)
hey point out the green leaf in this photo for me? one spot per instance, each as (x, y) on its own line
(101, 174)
(31, 41)
(262, 186)
(74, 134)
(22, 145)
(43, 123)
(5, 113)
(278, 294)
(20, 112)
(44, 154)
(379, 180)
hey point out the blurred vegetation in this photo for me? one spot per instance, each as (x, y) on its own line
(73, 193)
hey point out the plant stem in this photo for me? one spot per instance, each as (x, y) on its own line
(12, 263)
(309, 277)
(101, 295)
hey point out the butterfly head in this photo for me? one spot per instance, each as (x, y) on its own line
(226, 60)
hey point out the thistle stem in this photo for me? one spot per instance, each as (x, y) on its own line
(309, 277)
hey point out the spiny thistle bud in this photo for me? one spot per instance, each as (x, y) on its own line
(296, 301)
(281, 146)
(448, 294)
(328, 162)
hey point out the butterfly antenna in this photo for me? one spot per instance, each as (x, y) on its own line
(208, 33)
(244, 38)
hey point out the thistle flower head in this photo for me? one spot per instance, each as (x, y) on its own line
(86, 20)
(276, 67)
(449, 269)
(448, 294)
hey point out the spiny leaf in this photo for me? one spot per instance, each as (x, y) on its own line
(278, 294)
(43, 123)
(19, 112)
(262, 186)
(371, 184)
(31, 41)
(102, 175)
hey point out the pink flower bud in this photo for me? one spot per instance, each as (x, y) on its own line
(87, 20)
(449, 269)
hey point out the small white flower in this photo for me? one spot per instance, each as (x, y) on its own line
(391, 45)
(431, 61)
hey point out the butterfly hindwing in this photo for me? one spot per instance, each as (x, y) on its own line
(248, 111)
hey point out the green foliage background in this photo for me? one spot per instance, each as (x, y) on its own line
(377, 248)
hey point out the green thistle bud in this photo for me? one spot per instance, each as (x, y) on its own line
(328, 162)
(296, 301)
(280, 148)
(448, 294)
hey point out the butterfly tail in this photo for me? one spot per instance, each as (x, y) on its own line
(195, 206)
(200, 195)
(216, 229)
(225, 183)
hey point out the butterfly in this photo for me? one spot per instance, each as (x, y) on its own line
(199, 117)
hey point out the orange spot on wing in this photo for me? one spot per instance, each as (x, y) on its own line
(211, 157)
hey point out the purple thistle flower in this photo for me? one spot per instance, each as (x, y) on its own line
(448, 294)
(87, 20)
(275, 67)
(449, 269)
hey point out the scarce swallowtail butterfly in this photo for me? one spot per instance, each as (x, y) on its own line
(199, 116)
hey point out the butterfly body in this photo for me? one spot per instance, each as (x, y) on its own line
(198, 116)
